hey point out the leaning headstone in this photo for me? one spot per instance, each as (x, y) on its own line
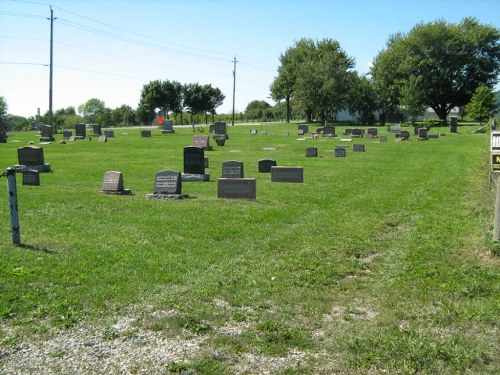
(220, 139)
(31, 158)
(422, 134)
(304, 128)
(340, 152)
(167, 127)
(453, 124)
(265, 165)
(237, 188)
(311, 152)
(201, 141)
(102, 138)
(31, 177)
(67, 134)
(358, 148)
(109, 133)
(80, 131)
(146, 133)
(232, 169)
(287, 174)
(47, 134)
(96, 130)
(168, 185)
(194, 164)
(112, 183)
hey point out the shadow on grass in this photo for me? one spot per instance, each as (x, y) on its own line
(36, 248)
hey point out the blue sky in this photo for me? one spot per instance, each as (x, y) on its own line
(108, 49)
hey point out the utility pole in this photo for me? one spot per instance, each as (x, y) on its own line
(234, 84)
(51, 64)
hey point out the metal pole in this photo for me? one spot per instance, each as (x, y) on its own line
(234, 85)
(51, 65)
(14, 215)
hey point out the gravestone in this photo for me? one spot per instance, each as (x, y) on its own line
(237, 188)
(395, 129)
(47, 134)
(96, 130)
(404, 135)
(357, 133)
(168, 185)
(304, 128)
(453, 124)
(112, 183)
(263, 132)
(220, 128)
(422, 134)
(102, 138)
(311, 152)
(109, 133)
(265, 165)
(368, 136)
(31, 158)
(232, 169)
(253, 131)
(347, 131)
(287, 174)
(31, 178)
(329, 131)
(201, 141)
(220, 139)
(72, 138)
(383, 138)
(146, 133)
(340, 152)
(286, 134)
(358, 148)
(300, 132)
(167, 127)
(80, 131)
(194, 164)
(67, 134)
(88, 138)
(372, 131)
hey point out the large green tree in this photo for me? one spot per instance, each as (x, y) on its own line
(483, 104)
(452, 60)
(363, 100)
(91, 109)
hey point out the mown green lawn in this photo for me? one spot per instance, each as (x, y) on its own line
(380, 261)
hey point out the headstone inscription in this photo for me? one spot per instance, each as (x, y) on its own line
(453, 124)
(194, 164)
(67, 134)
(31, 158)
(232, 169)
(80, 131)
(96, 130)
(237, 188)
(358, 148)
(146, 133)
(112, 183)
(265, 165)
(201, 141)
(311, 152)
(47, 134)
(340, 152)
(109, 133)
(31, 178)
(287, 174)
(167, 127)
(168, 185)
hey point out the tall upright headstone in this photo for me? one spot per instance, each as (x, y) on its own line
(220, 129)
(80, 131)
(453, 124)
(96, 130)
(167, 127)
(194, 164)
(47, 133)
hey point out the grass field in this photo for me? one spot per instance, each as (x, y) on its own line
(380, 262)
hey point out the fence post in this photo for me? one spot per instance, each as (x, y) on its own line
(496, 227)
(14, 215)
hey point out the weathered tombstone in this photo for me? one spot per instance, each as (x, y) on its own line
(340, 152)
(220, 128)
(356, 133)
(194, 164)
(72, 138)
(395, 129)
(253, 131)
(201, 141)
(329, 131)
(109, 133)
(265, 165)
(383, 138)
(80, 131)
(287, 174)
(358, 148)
(47, 134)
(112, 183)
(311, 152)
(96, 130)
(304, 128)
(237, 188)
(31, 177)
(404, 135)
(102, 138)
(300, 132)
(232, 169)
(67, 134)
(168, 185)
(88, 138)
(453, 124)
(372, 131)
(146, 133)
(31, 158)
(422, 134)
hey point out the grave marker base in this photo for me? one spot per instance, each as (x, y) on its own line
(167, 196)
(195, 177)
(117, 192)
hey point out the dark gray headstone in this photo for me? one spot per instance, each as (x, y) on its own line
(237, 188)
(266, 164)
(67, 134)
(31, 178)
(287, 174)
(347, 131)
(329, 131)
(340, 152)
(146, 133)
(30, 155)
(109, 133)
(358, 148)
(168, 127)
(194, 160)
(357, 133)
(232, 169)
(80, 131)
(220, 127)
(422, 133)
(47, 133)
(311, 152)
(211, 128)
(404, 135)
(304, 128)
(167, 182)
(453, 124)
(372, 131)
(96, 130)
